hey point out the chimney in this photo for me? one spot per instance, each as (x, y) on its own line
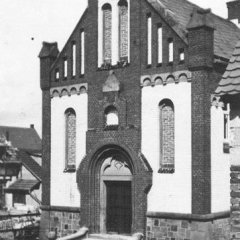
(47, 55)
(201, 39)
(234, 11)
(32, 126)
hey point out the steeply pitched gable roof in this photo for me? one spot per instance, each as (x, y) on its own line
(22, 138)
(230, 82)
(178, 13)
(31, 165)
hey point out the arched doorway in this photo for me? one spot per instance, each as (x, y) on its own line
(113, 171)
(116, 195)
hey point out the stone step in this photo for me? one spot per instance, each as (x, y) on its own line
(109, 237)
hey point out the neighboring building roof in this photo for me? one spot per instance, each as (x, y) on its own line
(23, 186)
(30, 164)
(178, 13)
(230, 82)
(22, 138)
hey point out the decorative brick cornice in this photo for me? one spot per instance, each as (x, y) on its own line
(165, 78)
(69, 90)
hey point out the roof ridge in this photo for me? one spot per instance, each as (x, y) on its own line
(1, 126)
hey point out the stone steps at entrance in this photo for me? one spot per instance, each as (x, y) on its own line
(109, 237)
(82, 234)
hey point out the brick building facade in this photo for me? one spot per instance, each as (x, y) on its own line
(132, 136)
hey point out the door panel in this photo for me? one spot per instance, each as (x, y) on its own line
(119, 207)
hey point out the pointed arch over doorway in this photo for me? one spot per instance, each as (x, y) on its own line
(115, 195)
(113, 171)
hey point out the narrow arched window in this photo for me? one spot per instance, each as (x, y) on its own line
(123, 30)
(82, 53)
(170, 50)
(167, 136)
(149, 39)
(74, 59)
(107, 33)
(111, 118)
(70, 139)
(160, 44)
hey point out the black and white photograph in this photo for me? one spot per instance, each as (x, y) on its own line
(120, 120)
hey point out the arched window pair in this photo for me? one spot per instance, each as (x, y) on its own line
(70, 140)
(122, 31)
(167, 136)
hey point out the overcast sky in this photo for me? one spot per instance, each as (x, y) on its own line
(24, 25)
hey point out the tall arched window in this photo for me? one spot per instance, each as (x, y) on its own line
(107, 33)
(149, 39)
(167, 136)
(70, 139)
(123, 29)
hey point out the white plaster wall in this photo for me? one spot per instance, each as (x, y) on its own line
(235, 136)
(9, 196)
(115, 31)
(170, 192)
(38, 193)
(220, 164)
(64, 190)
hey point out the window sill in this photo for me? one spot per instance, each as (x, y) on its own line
(111, 128)
(120, 64)
(167, 169)
(70, 169)
(226, 147)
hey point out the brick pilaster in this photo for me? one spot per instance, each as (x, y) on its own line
(201, 39)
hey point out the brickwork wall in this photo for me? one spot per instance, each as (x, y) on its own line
(168, 229)
(123, 28)
(233, 9)
(167, 132)
(66, 223)
(70, 138)
(107, 34)
(235, 202)
(61, 221)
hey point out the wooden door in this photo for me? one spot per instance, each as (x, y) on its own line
(119, 207)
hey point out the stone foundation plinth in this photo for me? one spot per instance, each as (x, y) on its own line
(63, 221)
(188, 229)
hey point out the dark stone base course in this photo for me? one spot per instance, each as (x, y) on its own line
(187, 229)
(63, 220)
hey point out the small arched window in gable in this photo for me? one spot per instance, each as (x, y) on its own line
(111, 118)
(70, 140)
(167, 136)
(123, 30)
(107, 33)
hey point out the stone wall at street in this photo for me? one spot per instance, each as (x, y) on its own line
(235, 200)
(170, 229)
